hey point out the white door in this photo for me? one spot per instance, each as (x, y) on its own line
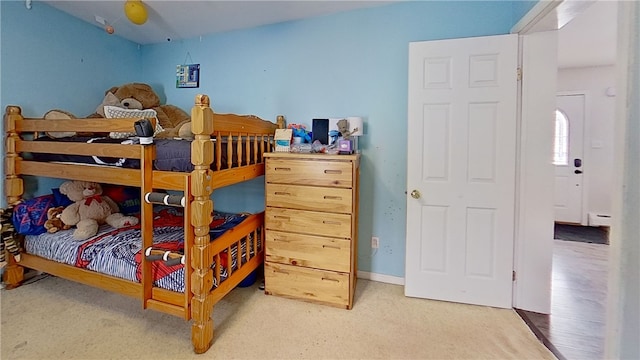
(568, 160)
(461, 170)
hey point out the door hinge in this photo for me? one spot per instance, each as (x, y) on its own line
(519, 74)
(513, 275)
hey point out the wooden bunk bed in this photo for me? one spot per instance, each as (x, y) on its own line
(242, 138)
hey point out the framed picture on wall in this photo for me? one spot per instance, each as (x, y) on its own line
(188, 76)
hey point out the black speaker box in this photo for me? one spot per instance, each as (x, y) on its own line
(320, 131)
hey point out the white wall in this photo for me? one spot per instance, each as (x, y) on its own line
(623, 321)
(599, 130)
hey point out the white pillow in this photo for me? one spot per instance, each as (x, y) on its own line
(109, 99)
(114, 112)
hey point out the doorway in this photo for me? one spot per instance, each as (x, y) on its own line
(534, 213)
(568, 158)
(622, 315)
(576, 328)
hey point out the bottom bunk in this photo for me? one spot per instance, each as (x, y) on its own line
(113, 259)
(118, 252)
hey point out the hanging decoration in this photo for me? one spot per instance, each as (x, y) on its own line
(108, 27)
(135, 11)
(188, 75)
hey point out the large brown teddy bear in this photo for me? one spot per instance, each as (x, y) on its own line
(175, 121)
(90, 209)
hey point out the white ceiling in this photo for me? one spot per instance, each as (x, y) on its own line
(175, 20)
(588, 40)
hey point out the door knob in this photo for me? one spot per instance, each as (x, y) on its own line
(577, 172)
(415, 194)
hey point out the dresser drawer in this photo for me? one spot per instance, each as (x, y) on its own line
(308, 222)
(309, 251)
(309, 284)
(309, 198)
(305, 172)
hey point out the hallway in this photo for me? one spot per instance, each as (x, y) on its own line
(576, 328)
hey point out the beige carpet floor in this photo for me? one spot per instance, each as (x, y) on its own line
(57, 319)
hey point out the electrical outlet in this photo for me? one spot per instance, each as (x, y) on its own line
(375, 242)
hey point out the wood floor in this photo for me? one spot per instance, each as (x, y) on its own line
(575, 330)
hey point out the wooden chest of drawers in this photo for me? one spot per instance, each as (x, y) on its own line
(311, 222)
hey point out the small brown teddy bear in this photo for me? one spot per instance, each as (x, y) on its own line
(53, 223)
(175, 121)
(91, 209)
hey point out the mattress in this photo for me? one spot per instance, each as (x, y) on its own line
(118, 252)
(171, 154)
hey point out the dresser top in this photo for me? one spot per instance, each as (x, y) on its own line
(311, 156)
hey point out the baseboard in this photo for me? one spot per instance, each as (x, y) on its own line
(389, 279)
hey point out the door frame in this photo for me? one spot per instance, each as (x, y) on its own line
(586, 151)
(622, 223)
(533, 238)
(620, 311)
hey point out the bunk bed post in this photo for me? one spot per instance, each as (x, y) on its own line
(13, 186)
(201, 216)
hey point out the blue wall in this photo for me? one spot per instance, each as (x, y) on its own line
(349, 64)
(51, 60)
(521, 7)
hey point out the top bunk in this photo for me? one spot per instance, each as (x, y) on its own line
(226, 149)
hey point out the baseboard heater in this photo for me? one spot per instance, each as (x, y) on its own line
(596, 219)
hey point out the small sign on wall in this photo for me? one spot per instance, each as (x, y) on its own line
(188, 76)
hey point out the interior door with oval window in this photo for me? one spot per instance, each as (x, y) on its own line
(568, 158)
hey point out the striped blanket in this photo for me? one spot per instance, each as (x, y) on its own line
(118, 252)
